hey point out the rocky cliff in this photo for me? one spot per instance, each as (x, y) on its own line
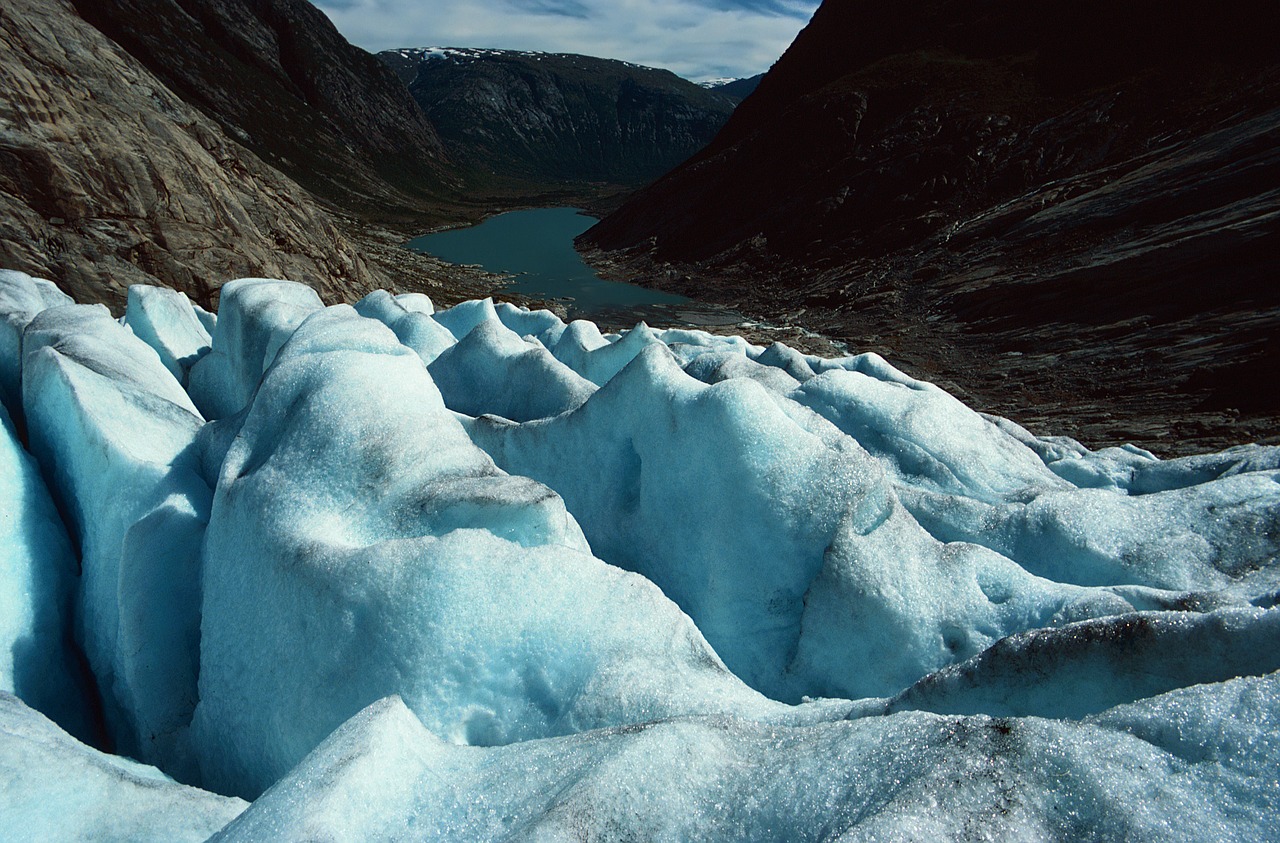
(542, 119)
(279, 78)
(107, 178)
(173, 155)
(1064, 206)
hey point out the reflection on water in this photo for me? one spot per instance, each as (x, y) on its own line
(536, 248)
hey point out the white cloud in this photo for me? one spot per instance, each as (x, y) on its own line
(697, 39)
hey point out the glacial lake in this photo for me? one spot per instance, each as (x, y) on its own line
(535, 247)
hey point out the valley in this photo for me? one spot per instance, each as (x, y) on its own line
(411, 442)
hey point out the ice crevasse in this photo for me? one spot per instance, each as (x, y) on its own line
(393, 572)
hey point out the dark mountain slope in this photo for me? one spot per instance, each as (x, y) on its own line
(1067, 206)
(278, 77)
(543, 119)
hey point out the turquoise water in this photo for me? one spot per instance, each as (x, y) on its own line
(536, 247)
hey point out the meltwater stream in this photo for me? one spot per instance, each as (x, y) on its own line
(535, 247)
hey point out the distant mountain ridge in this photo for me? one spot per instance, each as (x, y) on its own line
(737, 88)
(511, 118)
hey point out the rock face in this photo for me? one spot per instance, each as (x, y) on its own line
(279, 78)
(180, 143)
(108, 179)
(1077, 200)
(537, 118)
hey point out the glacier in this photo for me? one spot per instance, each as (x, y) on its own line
(385, 571)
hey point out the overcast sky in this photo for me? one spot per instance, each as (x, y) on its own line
(698, 39)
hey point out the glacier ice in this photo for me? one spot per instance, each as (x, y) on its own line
(582, 348)
(114, 432)
(57, 788)
(541, 325)
(779, 356)
(492, 370)
(922, 436)
(1198, 537)
(781, 537)
(255, 317)
(712, 367)
(1086, 667)
(356, 528)
(21, 299)
(479, 574)
(167, 321)
(409, 316)
(461, 318)
(927, 438)
(38, 575)
(908, 776)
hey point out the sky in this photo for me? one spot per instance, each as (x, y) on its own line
(698, 39)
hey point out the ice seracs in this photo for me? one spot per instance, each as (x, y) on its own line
(478, 574)
(409, 316)
(358, 530)
(57, 788)
(38, 577)
(115, 433)
(1200, 760)
(167, 321)
(493, 371)
(255, 317)
(781, 537)
(582, 348)
(21, 298)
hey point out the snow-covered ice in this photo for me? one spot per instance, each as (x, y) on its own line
(114, 432)
(167, 321)
(1194, 764)
(356, 528)
(478, 574)
(57, 788)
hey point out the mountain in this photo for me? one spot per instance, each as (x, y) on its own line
(183, 143)
(520, 119)
(108, 178)
(738, 89)
(1064, 207)
(279, 78)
